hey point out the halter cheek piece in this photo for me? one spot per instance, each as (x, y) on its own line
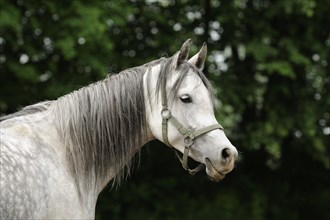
(189, 134)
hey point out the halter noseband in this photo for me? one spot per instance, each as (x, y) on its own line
(189, 134)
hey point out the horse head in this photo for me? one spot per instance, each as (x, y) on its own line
(181, 113)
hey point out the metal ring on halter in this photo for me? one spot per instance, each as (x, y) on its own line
(166, 113)
(188, 141)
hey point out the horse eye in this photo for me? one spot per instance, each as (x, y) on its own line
(186, 99)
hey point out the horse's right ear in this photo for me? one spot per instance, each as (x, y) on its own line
(199, 59)
(183, 53)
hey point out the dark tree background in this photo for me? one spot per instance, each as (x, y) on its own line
(268, 60)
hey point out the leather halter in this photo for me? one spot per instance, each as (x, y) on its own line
(189, 134)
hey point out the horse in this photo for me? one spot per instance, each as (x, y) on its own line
(57, 156)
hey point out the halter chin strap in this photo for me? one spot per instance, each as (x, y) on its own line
(189, 134)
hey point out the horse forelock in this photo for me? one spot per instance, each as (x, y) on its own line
(167, 69)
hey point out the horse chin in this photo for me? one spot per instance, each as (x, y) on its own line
(213, 173)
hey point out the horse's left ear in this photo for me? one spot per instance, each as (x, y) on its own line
(183, 53)
(199, 58)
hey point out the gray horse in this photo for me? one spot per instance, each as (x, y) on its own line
(57, 156)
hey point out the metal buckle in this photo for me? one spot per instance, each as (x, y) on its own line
(182, 130)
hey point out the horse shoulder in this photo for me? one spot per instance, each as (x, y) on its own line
(34, 182)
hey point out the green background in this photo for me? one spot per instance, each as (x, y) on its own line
(268, 60)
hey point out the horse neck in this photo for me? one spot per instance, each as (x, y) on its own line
(102, 127)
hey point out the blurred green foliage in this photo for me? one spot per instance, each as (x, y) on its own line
(268, 61)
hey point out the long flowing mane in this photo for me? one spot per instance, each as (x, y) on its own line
(102, 124)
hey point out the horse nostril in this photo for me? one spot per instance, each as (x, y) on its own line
(225, 153)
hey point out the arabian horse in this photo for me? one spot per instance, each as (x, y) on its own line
(57, 156)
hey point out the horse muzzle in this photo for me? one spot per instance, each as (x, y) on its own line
(218, 170)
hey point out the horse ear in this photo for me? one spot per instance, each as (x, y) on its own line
(183, 53)
(199, 58)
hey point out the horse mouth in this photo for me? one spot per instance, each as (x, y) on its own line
(212, 172)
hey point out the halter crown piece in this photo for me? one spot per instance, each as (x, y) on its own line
(189, 134)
